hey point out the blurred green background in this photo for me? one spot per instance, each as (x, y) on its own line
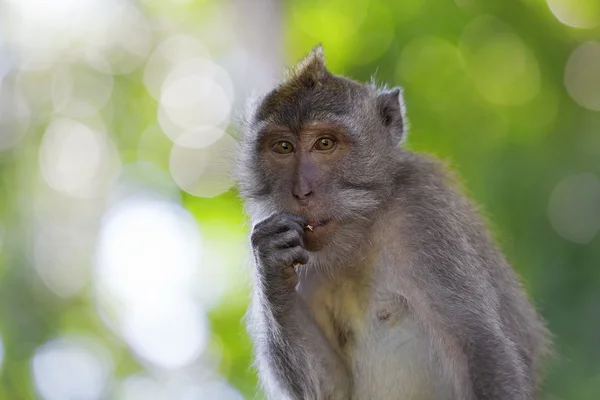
(123, 243)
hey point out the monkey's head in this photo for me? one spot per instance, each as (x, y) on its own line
(321, 146)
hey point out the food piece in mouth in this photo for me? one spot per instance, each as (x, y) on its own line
(312, 225)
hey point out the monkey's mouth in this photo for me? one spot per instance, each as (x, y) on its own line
(318, 233)
(312, 225)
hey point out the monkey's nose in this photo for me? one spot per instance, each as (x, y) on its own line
(301, 194)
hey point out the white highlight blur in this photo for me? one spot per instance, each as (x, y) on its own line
(576, 13)
(582, 75)
(574, 207)
(147, 258)
(5, 63)
(61, 257)
(78, 91)
(130, 38)
(168, 54)
(140, 387)
(52, 13)
(43, 32)
(143, 387)
(170, 333)
(196, 97)
(76, 160)
(203, 172)
(212, 390)
(71, 368)
(250, 72)
(148, 249)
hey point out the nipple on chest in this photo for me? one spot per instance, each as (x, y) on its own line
(392, 312)
(384, 315)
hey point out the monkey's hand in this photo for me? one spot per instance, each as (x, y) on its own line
(292, 348)
(278, 246)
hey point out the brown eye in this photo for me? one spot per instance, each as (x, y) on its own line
(283, 147)
(325, 144)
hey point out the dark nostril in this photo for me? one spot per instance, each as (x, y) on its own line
(301, 195)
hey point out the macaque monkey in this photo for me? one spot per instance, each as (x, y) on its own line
(374, 278)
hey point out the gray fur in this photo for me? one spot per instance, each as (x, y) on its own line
(410, 299)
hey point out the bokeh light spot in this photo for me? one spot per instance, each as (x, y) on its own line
(170, 333)
(78, 91)
(195, 92)
(130, 38)
(504, 69)
(61, 258)
(168, 54)
(71, 368)
(212, 390)
(197, 96)
(582, 75)
(574, 207)
(576, 13)
(76, 160)
(141, 387)
(147, 248)
(36, 89)
(148, 253)
(433, 67)
(203, 172)
(142, 176)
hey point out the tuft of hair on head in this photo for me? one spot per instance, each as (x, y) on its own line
(310, 71)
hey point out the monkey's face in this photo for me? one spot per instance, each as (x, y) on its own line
(307, 166)
(321, 146)
(334, 174)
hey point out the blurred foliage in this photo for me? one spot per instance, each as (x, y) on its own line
(486, 89)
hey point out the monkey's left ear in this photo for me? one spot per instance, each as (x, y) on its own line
(390, 104)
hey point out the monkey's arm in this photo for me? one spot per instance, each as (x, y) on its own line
(462, 309)
(464, 291)
(291, 350)
(493, 369)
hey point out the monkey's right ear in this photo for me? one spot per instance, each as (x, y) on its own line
(390, 104)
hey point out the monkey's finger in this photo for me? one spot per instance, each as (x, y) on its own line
(295, 255)
(292, 221)
(279, 223)
(295, 218)
(290, 238)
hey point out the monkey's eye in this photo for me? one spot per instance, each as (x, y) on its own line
(325, 144)
(283, 147)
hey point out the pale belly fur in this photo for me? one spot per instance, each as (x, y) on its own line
(388, 354)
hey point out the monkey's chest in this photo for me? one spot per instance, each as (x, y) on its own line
(379, 340)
